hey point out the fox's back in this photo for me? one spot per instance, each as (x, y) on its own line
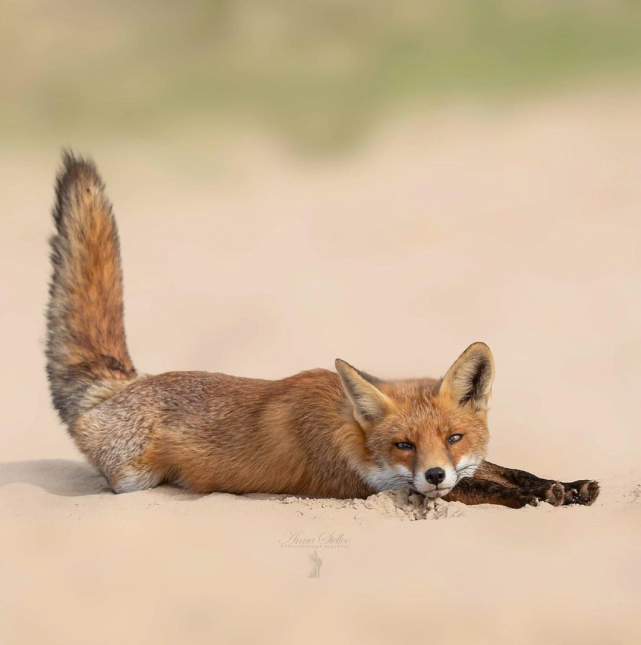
(212, 431)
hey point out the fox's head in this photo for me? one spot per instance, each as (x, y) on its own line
(423, 434)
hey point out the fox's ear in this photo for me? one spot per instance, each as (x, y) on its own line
(370, 404)
(469, 380)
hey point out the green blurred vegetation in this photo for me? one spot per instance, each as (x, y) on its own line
(320, 73)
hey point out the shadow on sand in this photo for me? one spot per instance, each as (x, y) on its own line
(57, 476)
(77, 479)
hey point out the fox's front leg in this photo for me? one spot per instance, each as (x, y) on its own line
(583, 491)
(483, 491)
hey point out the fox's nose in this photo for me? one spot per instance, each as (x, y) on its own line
(435, 476)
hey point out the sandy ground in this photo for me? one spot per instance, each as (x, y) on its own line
(518, 226)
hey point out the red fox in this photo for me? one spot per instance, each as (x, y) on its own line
(319, 433)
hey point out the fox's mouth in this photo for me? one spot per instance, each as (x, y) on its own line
(432, 491)
(433, 494)
(438, 492)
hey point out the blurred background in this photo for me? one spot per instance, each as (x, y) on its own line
(382, 181)
(318, 75)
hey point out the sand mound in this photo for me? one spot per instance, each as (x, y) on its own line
(399, 505)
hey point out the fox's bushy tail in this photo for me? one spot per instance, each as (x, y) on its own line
(87, 356)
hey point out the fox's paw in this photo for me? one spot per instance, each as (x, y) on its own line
(550, 492)
(553, 493)
(523, 497)
(584, 492)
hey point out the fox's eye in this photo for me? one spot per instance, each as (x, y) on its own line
(453, 438)
(404, 445)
